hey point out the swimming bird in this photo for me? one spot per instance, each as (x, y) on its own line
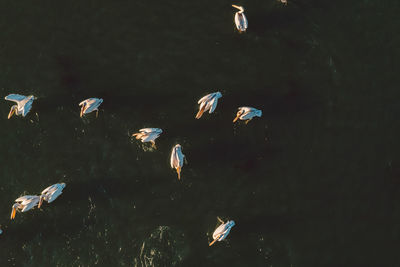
(23, 204)
(208, 102)
(24, 104)
(51, 193)
(222, 231)
(148, 135)
(89, 105)
(240, 19)
(247, 113)
(177, 159)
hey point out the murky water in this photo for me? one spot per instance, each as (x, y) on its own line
(314, 182)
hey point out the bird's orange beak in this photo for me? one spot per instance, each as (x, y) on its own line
(40, 202)
(178, 170)
(14, 210)
(12, 111)
(237, 117)
(212, 243)
(83, 109)
(215, 240)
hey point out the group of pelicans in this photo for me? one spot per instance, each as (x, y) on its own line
(206, 103)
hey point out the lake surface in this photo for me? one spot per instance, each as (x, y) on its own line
(314, 182)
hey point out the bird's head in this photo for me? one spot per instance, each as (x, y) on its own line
(238, 114)
(83, 108)
(12, 111)
(41, 201)
(14, 210)
(241, 9)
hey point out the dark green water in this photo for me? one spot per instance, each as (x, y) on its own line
(314, 182)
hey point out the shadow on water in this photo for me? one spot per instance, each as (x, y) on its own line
(262, 22)
(69, 77)
(294, 97)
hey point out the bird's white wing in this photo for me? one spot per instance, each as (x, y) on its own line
(213, 105)
(93, 103)
(27, 107)
(15, 97)
(244, 21)
(148, 130)
(24, 198)
(149, 137)
(245, 109)
(174, 159)
(29, 205)
(53, 196)
(237, 20)
(203, 105)
(181, 157)
(205, 98)
(247, 115)
(83, 102)
(51, 187)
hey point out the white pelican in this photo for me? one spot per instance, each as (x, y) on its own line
(222, 231)
(24, 104)
(23, 204)
(177, 159)
(247, 113)
(240, 19)
(208, 102)
(51, 193)
(89, 105)
(148, 135)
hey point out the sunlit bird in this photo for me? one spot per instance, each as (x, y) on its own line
(208, 102)
(240, 19)
(148, 135)
(51, 193)
(24, 104)
(247, 113)
(177, 159)
(222, 231)
(23, 204)
(89, 105)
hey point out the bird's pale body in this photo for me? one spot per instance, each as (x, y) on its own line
(24, 204)
(247, 113)
(223, 230)
(177, 159)
(89, 105)
(51, 193)
(24, 104)
(148, 134)
(240, 19)
(208, 102)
